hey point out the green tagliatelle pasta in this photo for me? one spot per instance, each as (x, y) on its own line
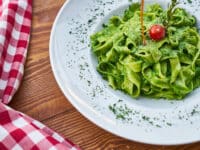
(169, 68)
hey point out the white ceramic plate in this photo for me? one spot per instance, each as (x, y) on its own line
(145, 120)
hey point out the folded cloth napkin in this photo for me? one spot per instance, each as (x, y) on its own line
(18, 131)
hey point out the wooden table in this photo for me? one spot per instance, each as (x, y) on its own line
(40, 97)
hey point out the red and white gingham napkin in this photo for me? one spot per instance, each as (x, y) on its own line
(18, 131)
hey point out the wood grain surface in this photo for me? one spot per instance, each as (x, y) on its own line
(40, 97)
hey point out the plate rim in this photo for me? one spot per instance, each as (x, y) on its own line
(76, 103)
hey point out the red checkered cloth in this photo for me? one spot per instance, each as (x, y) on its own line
(18, 131)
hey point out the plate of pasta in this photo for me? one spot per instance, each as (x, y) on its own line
(131, 67)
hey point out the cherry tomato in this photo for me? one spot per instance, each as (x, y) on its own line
(157, 32)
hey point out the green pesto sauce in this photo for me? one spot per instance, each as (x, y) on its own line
(168, 69)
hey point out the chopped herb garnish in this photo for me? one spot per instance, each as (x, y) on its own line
(169, 124)
(170, 12)
(145, 118)
(121, 112)
(89, 21)
(158, 126)
(104, 25)
(194, 111)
